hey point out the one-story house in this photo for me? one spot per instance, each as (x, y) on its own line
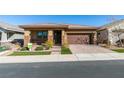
(60, 34)
(111, 33)
(9, 33)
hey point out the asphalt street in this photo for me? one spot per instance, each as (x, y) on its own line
(88, 69)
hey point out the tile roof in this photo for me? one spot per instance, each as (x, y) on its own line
(10, 27)
(68, 26)
(111, 24)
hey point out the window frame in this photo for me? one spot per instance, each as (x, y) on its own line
(43, 34)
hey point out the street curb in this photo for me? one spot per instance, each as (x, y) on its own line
(61, 58)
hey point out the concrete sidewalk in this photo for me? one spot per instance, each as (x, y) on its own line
(6, 52)
(62, 58)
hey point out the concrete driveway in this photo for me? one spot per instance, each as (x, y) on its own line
(78, 48)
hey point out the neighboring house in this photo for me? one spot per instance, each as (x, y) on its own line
(9, 33)
(109, 33)
(60, 34)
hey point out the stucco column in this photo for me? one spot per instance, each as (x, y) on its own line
(64, 37)
(3, 36)
(27, 38)
(50, 35)
(95, 38)
(110, 39)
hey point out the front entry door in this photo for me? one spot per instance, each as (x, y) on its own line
(57, 37)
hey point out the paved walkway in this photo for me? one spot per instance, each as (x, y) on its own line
(62, 58)
(77, 49)
(56, 50)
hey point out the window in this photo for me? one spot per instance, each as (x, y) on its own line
(42, 34)
(9, 34)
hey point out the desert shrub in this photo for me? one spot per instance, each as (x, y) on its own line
(49, 43)
(39, 48)
(46, 47)
(24, 49)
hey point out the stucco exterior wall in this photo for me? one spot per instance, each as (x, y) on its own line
(33, 34)
(5, 38)
(103, 36)
(76, 31)
(3, 35)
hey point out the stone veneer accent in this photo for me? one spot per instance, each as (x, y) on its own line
(95, 38)
(50, 35)
(27, 38)
(62, 38)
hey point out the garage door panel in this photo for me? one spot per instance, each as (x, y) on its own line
(78, 39)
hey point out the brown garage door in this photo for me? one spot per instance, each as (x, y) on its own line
(78, 39)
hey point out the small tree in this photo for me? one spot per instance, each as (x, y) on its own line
(119, 32)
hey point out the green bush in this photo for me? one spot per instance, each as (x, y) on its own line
(39, 48)
(24, 49)
(65, 50)
(29, 53)
(3, 48)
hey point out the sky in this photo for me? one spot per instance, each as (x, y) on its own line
(92, 20)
